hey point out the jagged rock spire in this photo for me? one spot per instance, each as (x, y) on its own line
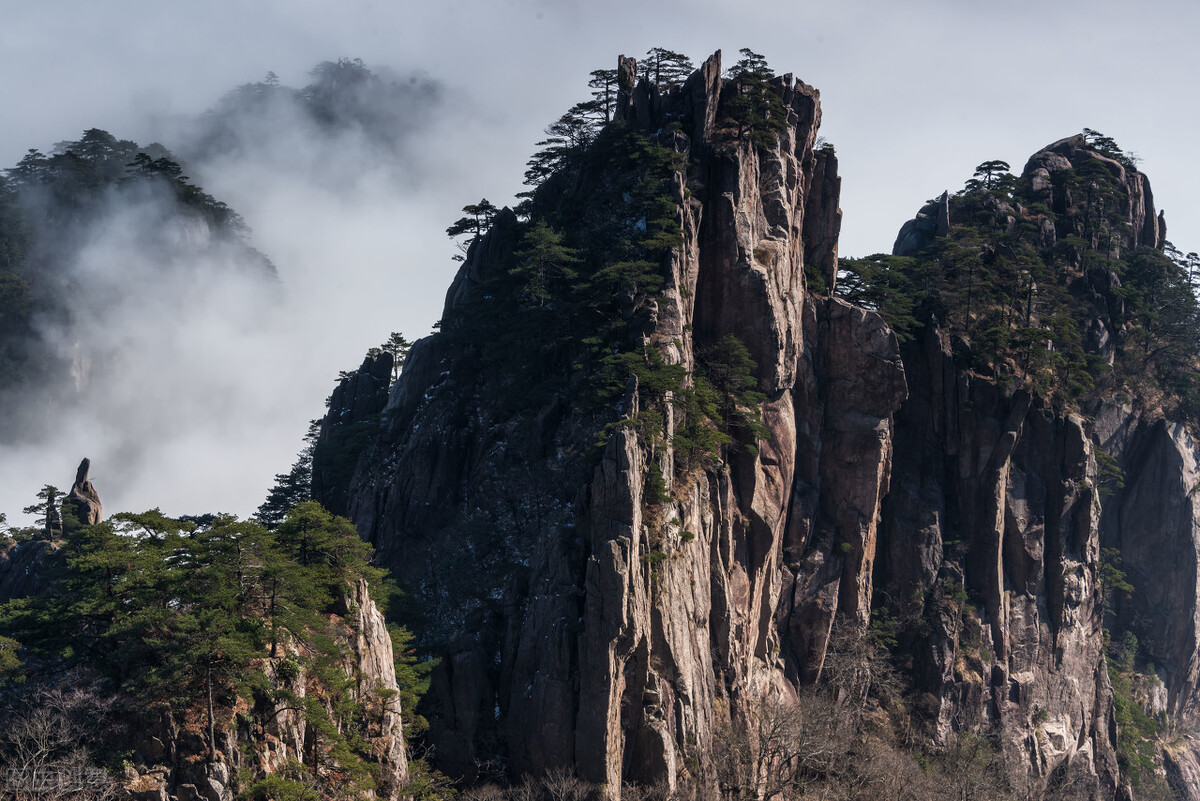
(82, 506)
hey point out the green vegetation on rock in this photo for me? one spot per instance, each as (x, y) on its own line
(1044, 287)
(205, 619)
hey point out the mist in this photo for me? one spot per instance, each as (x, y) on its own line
(195, 370)
(211, 376)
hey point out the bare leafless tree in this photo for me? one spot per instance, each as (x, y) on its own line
(484, 792)
(658, 791)
(44, 738)
(857, 666)
(972, 769)
(775, 746)
(561, 784)
(528, 789)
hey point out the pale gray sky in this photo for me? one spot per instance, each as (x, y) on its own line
(915, 94)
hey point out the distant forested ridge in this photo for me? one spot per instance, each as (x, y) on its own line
(89, 221)
(345, 96)
(94, 230)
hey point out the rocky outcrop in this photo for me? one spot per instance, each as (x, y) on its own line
(171, 762)
(1095, 197)
(823, 216)
(82, 506)
(1135, 221)
(29, 567)
(593, 628)
(991, 536)
(933, 220)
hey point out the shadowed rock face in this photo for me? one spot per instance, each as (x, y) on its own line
(1155, 522)
(578, 651)
(994, 493)
(21, 568)
(882, 470)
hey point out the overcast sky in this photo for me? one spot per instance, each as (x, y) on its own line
(914, 95)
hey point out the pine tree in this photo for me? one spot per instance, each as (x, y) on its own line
(542, 261)
(666, 68)
(49, 520)
(991, 172)
(295, 486)
(398, 346)
(476, 221)
(752, 102)
(11, 668)
(567, 138)
(603, 84)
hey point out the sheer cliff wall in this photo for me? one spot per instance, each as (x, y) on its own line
(582, 626)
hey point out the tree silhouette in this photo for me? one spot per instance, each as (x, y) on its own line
(476, 221)
(603, 84)
(567, 138)
(990, 172)
(751, 102)
(666, 68)
(398, 346)
(49, 519)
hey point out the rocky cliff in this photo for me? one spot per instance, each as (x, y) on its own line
(1154, 521)
(169, 761)
(613, 610)
(282, 721)
(1010, 483)
(991, 539)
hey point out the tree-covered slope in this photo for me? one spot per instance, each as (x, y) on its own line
(82, 229)
(1060, 280)
(148, 655)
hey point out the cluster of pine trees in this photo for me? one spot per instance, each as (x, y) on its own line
(49, 203)
(202, 616)
(585, 258)
(1020, 306)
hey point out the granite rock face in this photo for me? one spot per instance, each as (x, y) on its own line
(1031, 524)
(583, 651)
(586, 628)
(994, 498)
(83, 501)
(170, 761)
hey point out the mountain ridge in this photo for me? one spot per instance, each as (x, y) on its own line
(914, 471)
